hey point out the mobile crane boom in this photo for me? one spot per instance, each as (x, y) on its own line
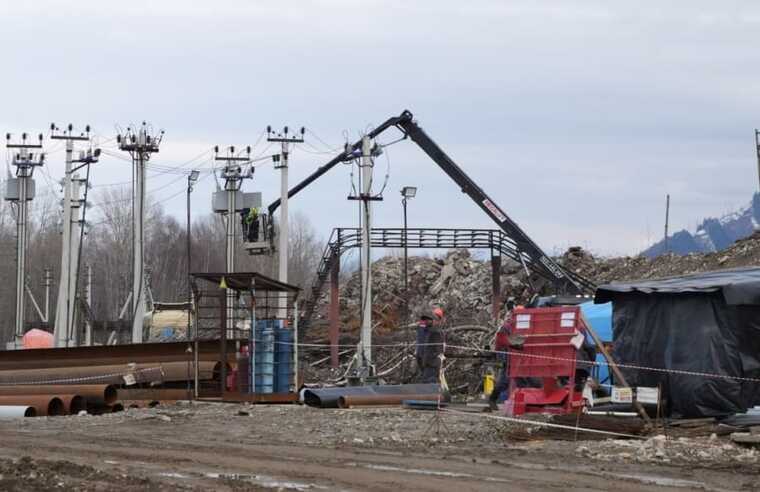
(530, 253)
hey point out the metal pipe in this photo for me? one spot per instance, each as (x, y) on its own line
(95, 393)
(43, 404)
(16, 411)
(73, 404)
(349, 401)
(142, 373)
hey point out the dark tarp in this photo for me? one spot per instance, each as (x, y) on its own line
(706, 323)
(739, 286)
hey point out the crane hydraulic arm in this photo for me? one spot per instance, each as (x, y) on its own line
(530, 253)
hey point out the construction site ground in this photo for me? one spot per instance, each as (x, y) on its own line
(204, 446)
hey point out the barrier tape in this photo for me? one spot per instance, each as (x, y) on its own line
(549, 357)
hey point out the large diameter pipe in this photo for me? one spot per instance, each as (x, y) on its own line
(16, 411)
(43, 404)
(349, 401)
(105, 394)
(114, 374)
(119, 374)
(73, 404)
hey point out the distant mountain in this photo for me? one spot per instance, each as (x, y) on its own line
(713, 234)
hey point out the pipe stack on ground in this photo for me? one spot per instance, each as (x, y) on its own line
(44, 405)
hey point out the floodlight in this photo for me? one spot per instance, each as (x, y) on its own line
(194, 174)
(409, 191)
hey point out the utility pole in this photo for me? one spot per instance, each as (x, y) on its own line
(366, 165)
(21, 191)
(140, 144)
(281, 163)
(233, 178)
(65, 332)
(667, 218)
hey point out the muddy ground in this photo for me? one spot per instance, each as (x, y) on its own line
(208, 446)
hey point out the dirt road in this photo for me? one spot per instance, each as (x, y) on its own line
(231, 447)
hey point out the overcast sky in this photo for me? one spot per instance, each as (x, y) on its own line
(576, 117)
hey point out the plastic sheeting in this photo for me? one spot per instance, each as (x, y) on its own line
(697, 332)
(599, 316)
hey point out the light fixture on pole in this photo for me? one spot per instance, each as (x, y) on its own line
(407, 193)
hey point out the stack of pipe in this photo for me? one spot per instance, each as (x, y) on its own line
(48, 391)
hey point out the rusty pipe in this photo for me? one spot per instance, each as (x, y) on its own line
(349, 401)
(43, 404)
(104, 394)
(73, 404)
(117, 374)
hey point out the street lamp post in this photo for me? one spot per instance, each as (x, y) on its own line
(192, 178)
(407, 193)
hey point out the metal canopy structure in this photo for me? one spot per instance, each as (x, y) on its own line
(245, 281)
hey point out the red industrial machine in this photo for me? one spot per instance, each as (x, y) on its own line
(542, 365)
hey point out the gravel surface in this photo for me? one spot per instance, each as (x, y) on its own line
(240, 447)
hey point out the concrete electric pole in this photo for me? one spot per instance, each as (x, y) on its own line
(366, 165)
(233, 177)
(141, 144)
(66, 333)
(281, 163)
(20, 191)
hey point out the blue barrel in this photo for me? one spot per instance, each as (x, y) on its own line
(264, 359)
(284, 360)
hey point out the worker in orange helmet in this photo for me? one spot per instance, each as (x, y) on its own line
(433, 348)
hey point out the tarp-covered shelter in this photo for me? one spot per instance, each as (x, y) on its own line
(706, 323)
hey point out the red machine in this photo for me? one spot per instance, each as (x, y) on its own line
(550, 339)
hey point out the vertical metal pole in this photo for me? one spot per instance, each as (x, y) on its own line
(405, 319)
(138, 280)
(48, 283)
(295, 345)
(366, 327)
(63, 306)
(21, 256)
(757, 145)
(223, 341)
(334, 312)
(88, 326)
(495, 285)
(189, 285)
(284, 231)
(667, 218)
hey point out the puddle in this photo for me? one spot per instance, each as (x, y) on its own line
(173, 475)
(265, 481)
(436, 473)
(663, 481)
